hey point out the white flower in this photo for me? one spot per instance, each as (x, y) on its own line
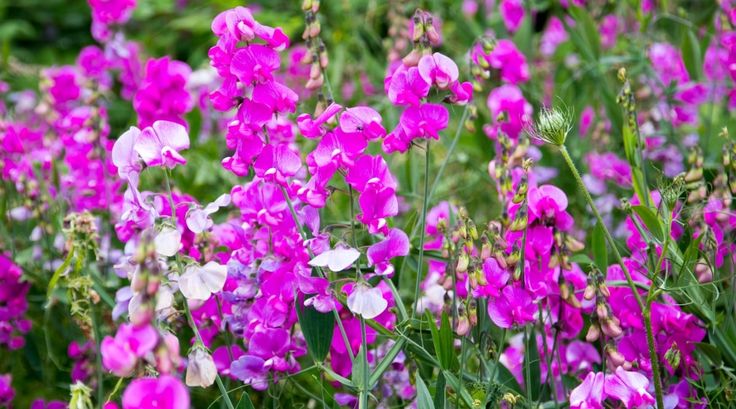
(201, 370)
(167, 242)
(198, 220)
(366, 301)
(336, 260)
(198, 283)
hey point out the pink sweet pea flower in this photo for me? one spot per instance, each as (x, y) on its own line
(363, 120)
(370, 172)
(406, 86)
(255, 63)
(513, 307)
(165, 392)
(496, 278)
(629, 387)
(277, 163)
(548, 203)
(438, 69)
(589, 394)
(396, 244)
(424, 121)
(512, 12)
(512, 63)
(312, 128)
(377, 205)
(159, 144)
(508, 100)
(120, 354)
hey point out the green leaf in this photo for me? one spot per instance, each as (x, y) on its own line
(711, 351)
(442, 338)
(57, 274)
(439, 392)
(245, 402)
(386, 361)
(600, 251)
(654, 225)
(587, 30)
(317, 328)
(505, 378)
(532, 371)
(424, 399)
(691, 54)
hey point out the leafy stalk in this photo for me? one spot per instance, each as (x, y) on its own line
(645, 308)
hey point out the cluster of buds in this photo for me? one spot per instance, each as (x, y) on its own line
(480, 67)
(460, 248)
(80, 230)
(511, 155)
(603, 322)
(316, 57)
(423, 36)
(627, 99)
(694, 181)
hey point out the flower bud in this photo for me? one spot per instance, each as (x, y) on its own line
(614, 357)
(201, 370)
(594, 332)
(611, 328)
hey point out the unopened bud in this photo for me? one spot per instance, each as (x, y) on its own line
(594, 332)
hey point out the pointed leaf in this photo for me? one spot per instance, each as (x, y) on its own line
(600, 251)
(424, 399)
(317, 328)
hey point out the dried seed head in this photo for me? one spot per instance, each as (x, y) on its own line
(552, 126)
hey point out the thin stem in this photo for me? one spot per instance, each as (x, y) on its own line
(422, 228)
(190, 318)
(363, 395)
(645, 308)
(98, 340)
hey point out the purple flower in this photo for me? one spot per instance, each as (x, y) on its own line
(513, 307)
(396, 244)
(162, 95)
(438, 69)
(513, 13)
(589, 394)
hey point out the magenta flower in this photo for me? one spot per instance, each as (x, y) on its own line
(162, 95)
(512, 63)
(159, 144)
(513, 13)
(629, 387)
(513, 307)
(7, 393)
(277, 163)
(589, 394)
(438, 69)
(364, 121)
(164, 392)
(111, 11)
(406, 86)
(255, 63)
(496, 278)
(424, 121)
(548, 203)
(312, 128)
(668, 63)
(370, 172)
(396, 244)
(120, 354)
(554, 35)
(377, 205)
(517, 112)
(238, 24)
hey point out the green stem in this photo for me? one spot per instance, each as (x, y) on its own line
(190, 318)
(98, 340)
(645, 308)
(422, 228)
(363, 395)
